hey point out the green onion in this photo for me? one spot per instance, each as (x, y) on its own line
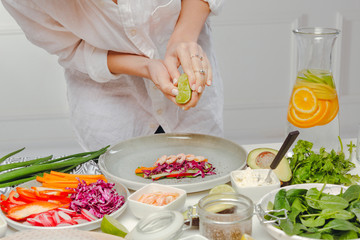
(23, 164)
(17, 173)
(10, 154)
(17, 182)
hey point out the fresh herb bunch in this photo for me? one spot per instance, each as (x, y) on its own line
(315, 214)
(323, 167)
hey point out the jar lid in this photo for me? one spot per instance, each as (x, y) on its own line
(159, 225)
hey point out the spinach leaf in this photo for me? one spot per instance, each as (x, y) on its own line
(327, 236)
(291, 228)
(281, 201)
(332, 202)
(319, 200)
(339, 224)
(340, 214)
(348, 235)
(352, 193)
(313, 221)
(311, 235)
(293, 194)
(297, 207)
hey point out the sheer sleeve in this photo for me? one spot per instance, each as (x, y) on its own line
(45, 31)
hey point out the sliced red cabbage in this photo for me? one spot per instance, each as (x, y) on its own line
(98, 198)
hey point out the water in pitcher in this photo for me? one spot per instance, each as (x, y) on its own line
(314, 104)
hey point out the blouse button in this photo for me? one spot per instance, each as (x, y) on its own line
(133, 32)
(159, 111)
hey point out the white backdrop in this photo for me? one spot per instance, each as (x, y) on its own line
(256, 53)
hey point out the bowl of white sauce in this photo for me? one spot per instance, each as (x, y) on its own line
(251, 182)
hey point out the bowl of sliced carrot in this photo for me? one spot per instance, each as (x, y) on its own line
(61, 200)
(156, 197)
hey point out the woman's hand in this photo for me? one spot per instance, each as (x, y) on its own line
(195, 64)
(183, 49)
(159, 74)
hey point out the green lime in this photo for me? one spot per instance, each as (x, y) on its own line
(223, 188)
(111, 226)
(184, 89)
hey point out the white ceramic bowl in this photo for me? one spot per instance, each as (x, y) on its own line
(263, 203)
(255, 193)
(141, 210)
(3, 226)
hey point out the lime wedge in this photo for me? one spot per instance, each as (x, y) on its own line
(184, 89)
(111, 226)
(222, 188)
(247, 237)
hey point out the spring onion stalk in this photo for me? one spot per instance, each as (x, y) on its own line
(23, 164)
(33, 177)
(69, 156)
(17, 173)
(17, 182)
(10, 154)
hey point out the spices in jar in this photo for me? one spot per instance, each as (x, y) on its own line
(225, 216)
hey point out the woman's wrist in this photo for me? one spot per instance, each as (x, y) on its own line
(131, 64)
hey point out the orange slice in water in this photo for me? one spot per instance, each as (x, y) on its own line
(306, 120)
(331, 113)
(304, 100)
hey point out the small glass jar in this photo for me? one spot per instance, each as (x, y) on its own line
(225, 216)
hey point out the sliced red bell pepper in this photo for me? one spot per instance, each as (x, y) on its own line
(176, 175)
(27, 195)
(15, 200)
(21, 212)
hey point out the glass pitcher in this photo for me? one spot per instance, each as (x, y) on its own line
(314, 105)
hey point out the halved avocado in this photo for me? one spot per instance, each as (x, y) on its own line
(261, 158)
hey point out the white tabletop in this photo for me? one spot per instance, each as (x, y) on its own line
(129, 220)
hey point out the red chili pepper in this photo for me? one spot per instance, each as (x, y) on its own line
(21, 212)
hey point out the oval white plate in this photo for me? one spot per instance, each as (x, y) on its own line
(279, 234)
(60, 234)
(120, 188)
(121, 160)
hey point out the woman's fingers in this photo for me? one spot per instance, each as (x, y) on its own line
(194, 63)
(172, 65)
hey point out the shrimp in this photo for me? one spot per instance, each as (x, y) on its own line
(180, 158)
(199, 158)
(190, 157)
(160, 161)
(171, 159)
(158, 198)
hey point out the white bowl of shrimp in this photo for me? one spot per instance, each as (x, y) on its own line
(156, 197)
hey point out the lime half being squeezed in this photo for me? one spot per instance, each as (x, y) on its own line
(184, 89)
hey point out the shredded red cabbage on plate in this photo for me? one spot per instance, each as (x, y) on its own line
(202, 168)
(98, 198)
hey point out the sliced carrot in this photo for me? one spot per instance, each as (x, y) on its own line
(58, 185)
(68, 175)
(141, 169)
(40, 179)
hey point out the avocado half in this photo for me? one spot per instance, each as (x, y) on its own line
(261, 158)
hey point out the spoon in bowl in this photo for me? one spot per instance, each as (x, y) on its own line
(283, 149)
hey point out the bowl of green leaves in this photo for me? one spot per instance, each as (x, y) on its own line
(311, 211)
